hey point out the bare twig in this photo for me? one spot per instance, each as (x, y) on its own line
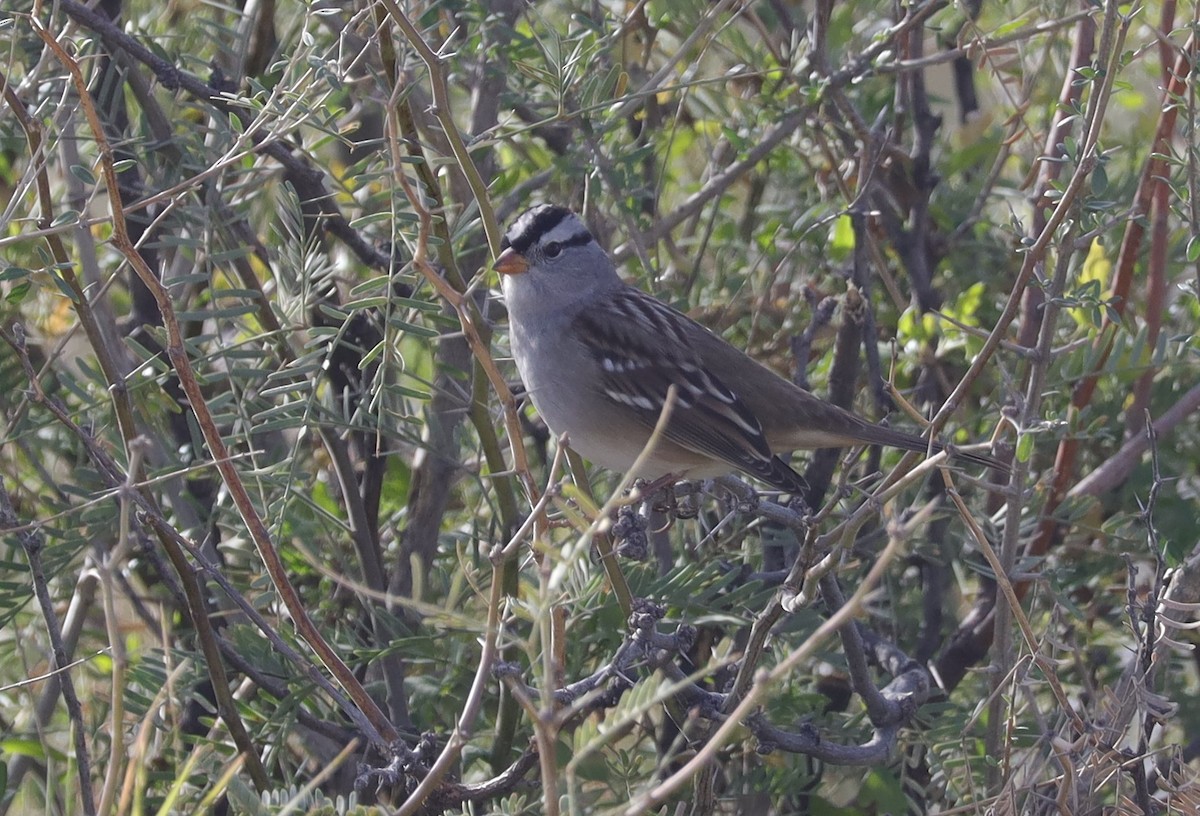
(763, 683)
(383, 731)
(33, 544)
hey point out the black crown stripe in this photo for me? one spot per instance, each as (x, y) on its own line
(543, 220)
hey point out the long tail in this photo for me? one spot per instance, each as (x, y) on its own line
(878, 435)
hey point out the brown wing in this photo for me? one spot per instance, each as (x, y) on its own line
(642, 348)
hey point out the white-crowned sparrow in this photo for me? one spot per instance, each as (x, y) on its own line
(597, 357)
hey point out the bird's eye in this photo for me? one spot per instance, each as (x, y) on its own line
(552, 249)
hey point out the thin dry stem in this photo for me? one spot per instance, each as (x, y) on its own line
(378, 726)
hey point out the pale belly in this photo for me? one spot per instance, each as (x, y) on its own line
(602, 431)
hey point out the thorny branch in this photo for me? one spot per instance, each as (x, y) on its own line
(379, 728)
(727, 695)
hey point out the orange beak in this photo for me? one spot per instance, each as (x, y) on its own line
(511, 262)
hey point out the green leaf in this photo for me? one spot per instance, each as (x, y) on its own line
(19, 746)
(83, 174)
(64, 218)
(371, 355)
(1024, 447)
(841, 238)
(412, 328)
(404, 391)
(18, 292)
(376, 302)
(63, 286)
(370, 218)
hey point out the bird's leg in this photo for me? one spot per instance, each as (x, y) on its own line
(797, 504)
(650, 489)
(685, 506)
(659, 497)
(664, 501)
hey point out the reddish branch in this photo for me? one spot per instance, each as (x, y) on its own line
(1154, 176)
